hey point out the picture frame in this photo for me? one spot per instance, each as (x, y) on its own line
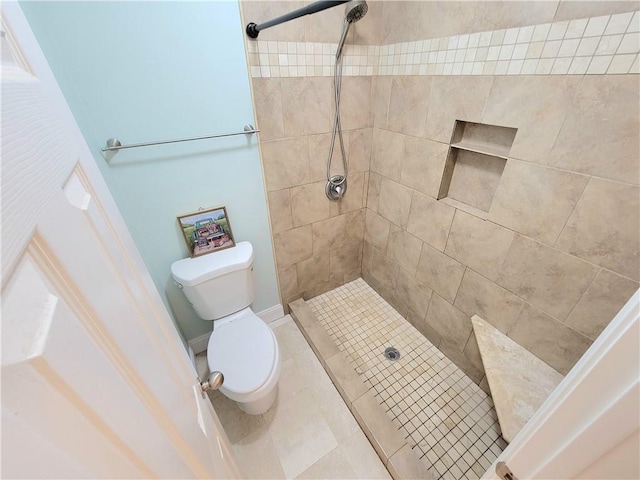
(206, 231)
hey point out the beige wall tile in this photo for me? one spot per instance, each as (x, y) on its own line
(354, 225)
(475, 178)
(367, 258)
(373, 192)
(288, 280)
(401, 21)
(603, 122)
(384, 270)
(479, 244)
(381, 94)
(268, 105)
(355, 108)
(454, 326)
(455, 98)
(605, 227)
(535, 200)
(280, 210)
(423, 165)
(360, 150)
(409, 104)
(601, 302)
(293, 246)
(306, 105)
(260, 12)
(413, 293)
(480, 296)
(395, 202)
(404, 249)
(387, 153)
(472, 352)
(424, 328)
(548, 278)
(329, 234)
(453, 18)
(440, 272)
(313, 271)
(309, 204)
(286, 162)
(536, 106)
(319, 154)
(376, 230)
(323, 26)
(460, 359)
(551, 341)
(354, 197)
(430, 220)
(324, 287)
(570, 9)
(347, 261)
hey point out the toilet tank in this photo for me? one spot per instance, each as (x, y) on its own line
(217, 284)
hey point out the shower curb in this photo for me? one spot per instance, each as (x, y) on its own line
(390, 445)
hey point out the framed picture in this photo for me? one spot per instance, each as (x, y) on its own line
(206, 231)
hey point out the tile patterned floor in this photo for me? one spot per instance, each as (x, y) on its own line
(309, 432)
(444, 415)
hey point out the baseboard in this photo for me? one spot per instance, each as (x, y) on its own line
(272, 314)
(199, 344)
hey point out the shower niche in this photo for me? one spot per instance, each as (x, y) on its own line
(477, 156)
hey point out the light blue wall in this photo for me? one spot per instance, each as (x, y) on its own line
(160, 70)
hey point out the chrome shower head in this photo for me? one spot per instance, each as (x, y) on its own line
(355, 10)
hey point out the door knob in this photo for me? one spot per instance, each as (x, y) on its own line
(214, 382)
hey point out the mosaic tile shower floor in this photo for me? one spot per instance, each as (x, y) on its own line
(446, 418)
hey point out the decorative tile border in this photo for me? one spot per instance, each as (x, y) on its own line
(607, 44)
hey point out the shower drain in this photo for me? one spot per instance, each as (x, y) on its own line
(391, 353)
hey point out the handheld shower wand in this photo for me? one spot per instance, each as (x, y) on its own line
(337, 184)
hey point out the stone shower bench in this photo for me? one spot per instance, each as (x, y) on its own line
(390, 445)
(519, 381)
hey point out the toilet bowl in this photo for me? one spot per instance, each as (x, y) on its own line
(220, 287)
(246, 351)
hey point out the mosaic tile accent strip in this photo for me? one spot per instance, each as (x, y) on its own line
(607, 44)
(446, 417)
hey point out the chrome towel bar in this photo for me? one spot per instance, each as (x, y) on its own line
(113, 144)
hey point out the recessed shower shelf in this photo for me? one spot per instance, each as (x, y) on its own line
(477, 156)
(485, 149)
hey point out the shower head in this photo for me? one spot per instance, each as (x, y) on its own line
(355, 10)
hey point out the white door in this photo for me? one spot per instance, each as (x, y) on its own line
(589, 427)
(95, 380)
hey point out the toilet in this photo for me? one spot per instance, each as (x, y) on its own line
(220, 287)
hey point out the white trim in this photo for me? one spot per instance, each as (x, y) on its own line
(269, 315)
(199, 344)
(577, 413)
(280, 321)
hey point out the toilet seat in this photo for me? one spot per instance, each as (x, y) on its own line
(244, 349)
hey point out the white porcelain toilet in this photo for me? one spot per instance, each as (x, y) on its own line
(220, 288)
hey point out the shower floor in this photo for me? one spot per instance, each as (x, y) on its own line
(446, 418)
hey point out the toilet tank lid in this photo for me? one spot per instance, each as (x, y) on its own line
(192, 271)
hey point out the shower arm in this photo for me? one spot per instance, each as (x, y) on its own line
(253, 30)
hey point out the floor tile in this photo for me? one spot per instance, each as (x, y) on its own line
(421, 389)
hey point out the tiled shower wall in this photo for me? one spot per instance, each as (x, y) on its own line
(318, 243)
(557, 255)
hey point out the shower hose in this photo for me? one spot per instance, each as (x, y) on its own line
(338, 182)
